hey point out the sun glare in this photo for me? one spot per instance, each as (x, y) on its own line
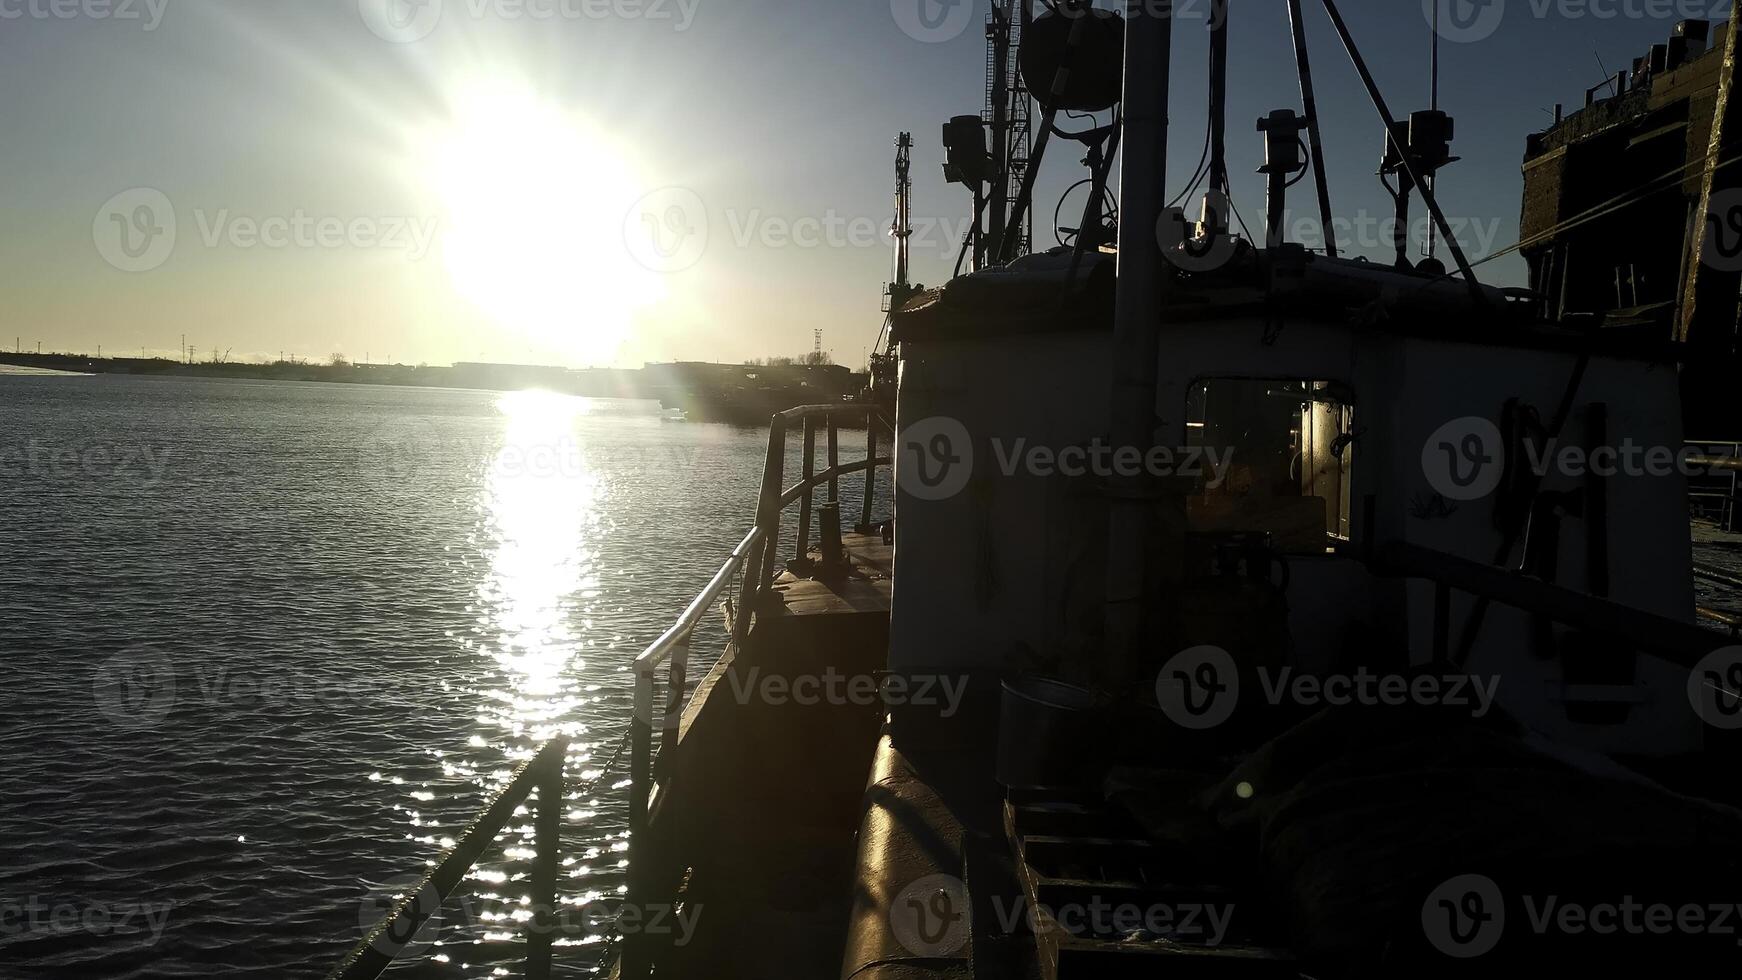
(533, 199)
(542, 499)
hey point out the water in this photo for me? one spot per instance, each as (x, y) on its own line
(269, 647)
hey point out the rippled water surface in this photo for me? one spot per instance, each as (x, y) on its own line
(270, 646)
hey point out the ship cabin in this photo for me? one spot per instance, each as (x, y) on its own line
(1355, 472)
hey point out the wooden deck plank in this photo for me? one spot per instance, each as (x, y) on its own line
(867, 590)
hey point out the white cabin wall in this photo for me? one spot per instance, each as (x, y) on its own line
(1051, 389)
(1650, 554)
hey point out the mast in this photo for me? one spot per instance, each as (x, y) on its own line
(1009, 121)
(1310, 109)
(1218, 223)
(902, 230)
(1143, 276)
(998, 111)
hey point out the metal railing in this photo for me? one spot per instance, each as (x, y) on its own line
(1721, 487)
(1680, 643)
(377, 950)
(748, 571)
(775, 499)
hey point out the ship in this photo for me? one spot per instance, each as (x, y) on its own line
(746, 394)
(1219, 623)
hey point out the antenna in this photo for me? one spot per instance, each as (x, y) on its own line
(903, 229)
(1216, 222)
(1434, 105)
(1434, 59)
(1008, 117)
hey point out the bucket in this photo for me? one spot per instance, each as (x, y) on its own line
(1051, 734)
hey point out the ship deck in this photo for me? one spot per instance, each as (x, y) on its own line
(767, 782)
(865, 590)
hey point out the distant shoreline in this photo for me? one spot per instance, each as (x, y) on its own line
(703, 391)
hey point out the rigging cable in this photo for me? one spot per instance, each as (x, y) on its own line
(1618, 203)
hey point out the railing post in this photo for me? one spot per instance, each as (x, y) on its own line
(834, 460)
(870, 471)
(1728, 512)
(768, 512)
(741, 622)
(808, 470)
(381, 945)
(674, 698)
(547, 845)
(636, 960)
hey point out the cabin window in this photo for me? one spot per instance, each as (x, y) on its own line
(1284, 450)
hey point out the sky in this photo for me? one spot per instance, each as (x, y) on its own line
(610, 182)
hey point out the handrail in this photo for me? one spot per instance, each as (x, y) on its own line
(1724, 468)
(751, 566)
(775, 497)
(799, 489)
(661, 648)
(377, 950)
(672, 645)
(1680, 643)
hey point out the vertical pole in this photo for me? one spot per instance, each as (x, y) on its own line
(768, 514)
(979, 233)
(1709, 294)
(1276, 210)
(834, 459)
(1140, 301)
(998, 94)
(547, 846)
(677, 680)
(636, 962)
(1427, 194)
(1400, 225)
(870, 470)
(1315, 136)
(1433, 100)
(741, 622)
(807, 470)
(1219, 108)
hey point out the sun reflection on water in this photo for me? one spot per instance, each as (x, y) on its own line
(541, 500)
(542, 493)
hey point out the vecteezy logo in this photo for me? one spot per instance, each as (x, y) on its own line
(930, 916)
(399, 938)
(404, 450)
(1462, 460)
(934, 458)
(1187, 253)
(1465, 916)
(1464, 21)
(1715, 688)
(135, 230)
(401, 21)
(667, 229)
(932, 21)
(135, 689)
(1198, 688)
(1723, 245)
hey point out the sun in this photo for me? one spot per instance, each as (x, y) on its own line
(533, 200)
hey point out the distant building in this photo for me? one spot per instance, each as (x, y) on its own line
(1615, 212)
